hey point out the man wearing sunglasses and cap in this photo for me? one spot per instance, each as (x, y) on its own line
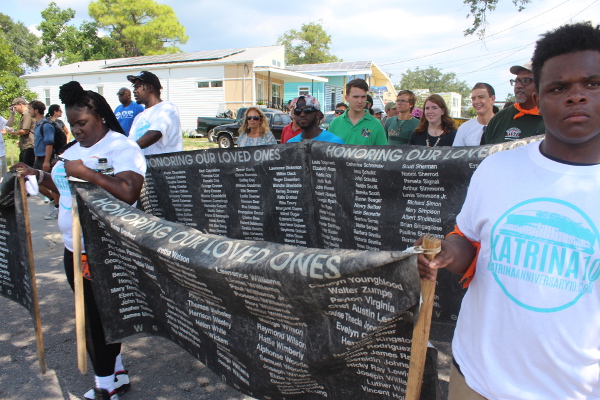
(157, 129)
(522, 119)
(307, 113)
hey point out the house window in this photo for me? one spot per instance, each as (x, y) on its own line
(303, 90)
(47, 96)
(209, 84)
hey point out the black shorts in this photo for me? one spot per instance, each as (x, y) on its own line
(39, 162)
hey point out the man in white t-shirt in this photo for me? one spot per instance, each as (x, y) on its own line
(527, 241)
(157, 129)
(469, 133)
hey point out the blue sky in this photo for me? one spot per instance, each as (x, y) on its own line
(397, 35)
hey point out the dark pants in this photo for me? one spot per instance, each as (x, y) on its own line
(103, 355)
(27, 156)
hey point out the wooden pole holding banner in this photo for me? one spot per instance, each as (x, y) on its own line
(418, 353)
(78, 288)
(36, 305)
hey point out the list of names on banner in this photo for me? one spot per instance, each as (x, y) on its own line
(263, 315)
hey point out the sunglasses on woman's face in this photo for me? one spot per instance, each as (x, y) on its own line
(253, 117)
(339, 111)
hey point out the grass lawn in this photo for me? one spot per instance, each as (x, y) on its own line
(197, 144)
(12, 148)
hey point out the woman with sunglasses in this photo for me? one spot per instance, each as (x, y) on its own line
(436, 128)
(255, 130)
(53, 114)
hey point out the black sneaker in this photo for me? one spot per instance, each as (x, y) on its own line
(102, 394)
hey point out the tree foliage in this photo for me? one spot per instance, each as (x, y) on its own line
(140, 27)
(479, 10)
(11, 85)
(68, 43)
(309, 45)
(23, 43)
(436, 81)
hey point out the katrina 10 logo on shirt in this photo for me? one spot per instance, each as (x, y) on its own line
(544, 254)
(365, 132)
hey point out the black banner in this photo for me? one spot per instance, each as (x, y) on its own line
(274, 321)
(15, 278)
(323, 195)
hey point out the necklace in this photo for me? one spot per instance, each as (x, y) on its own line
(436, 142)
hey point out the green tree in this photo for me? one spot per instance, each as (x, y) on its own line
(309, 45)
(480, 8)
(11, 85)
(140, 27)
(436, 81)
(23, 43)
(68, 43)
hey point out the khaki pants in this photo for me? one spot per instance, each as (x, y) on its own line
(459, 390)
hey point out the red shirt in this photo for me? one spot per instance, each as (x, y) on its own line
(288, 133)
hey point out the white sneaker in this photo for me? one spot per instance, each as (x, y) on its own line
(122, 385)
(53, 214)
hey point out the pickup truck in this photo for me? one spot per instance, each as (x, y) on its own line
(206, 124)
(227, 135)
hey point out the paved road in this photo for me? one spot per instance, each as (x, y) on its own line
(158, 368)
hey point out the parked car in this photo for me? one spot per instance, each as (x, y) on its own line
(206, 124)
(226, 136)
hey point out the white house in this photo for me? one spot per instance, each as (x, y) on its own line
(200, 83)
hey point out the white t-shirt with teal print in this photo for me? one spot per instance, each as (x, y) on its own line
(529, 324)
(163, 117)
(122, 153)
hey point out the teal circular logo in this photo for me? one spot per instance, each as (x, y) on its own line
(544, 254)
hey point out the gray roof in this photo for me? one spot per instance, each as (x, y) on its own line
(175, 58)
(337, 66)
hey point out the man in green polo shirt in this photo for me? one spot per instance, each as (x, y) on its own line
(356, 125)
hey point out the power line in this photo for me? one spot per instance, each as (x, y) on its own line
(475, 41)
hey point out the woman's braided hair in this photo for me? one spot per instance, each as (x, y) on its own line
(74, 96)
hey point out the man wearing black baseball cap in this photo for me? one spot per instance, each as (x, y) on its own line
(157, 129)
(522, 119)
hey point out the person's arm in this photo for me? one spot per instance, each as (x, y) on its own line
(67, 133)
(456, 256)
(125, 186)
(46, 164)
(11, 119)
(149, 138)
(44, 179)
(48, 133)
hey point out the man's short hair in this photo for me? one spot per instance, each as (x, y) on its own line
(39, 106)
(357, 83)
(412, 98)
(486, 86)
(566, 39)
(19, 100)
(341, 105)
